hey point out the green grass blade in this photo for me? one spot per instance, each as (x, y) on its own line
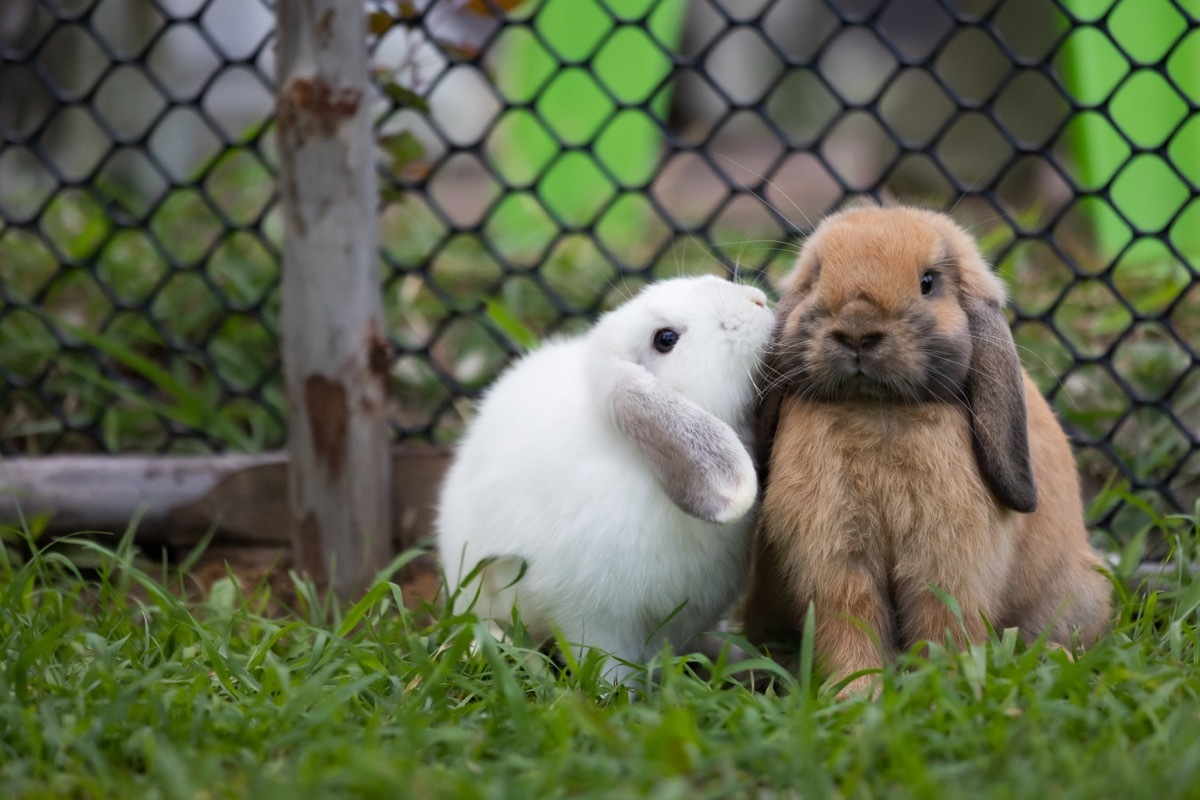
(359, 609)
(807, 652)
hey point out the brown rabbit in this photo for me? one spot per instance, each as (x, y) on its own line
(902, 446)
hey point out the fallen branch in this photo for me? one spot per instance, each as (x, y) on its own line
(181, 498)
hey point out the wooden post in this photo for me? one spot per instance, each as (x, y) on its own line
(335, 353)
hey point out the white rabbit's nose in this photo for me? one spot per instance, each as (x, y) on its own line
(757, 297)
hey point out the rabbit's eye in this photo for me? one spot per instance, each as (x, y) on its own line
(665, 339)
(928, 281)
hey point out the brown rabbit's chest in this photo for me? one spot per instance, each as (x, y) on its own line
(872, 480)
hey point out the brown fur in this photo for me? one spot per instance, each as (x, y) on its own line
(875, 488)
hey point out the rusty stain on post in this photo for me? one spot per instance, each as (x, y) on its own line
(379, 353)
(325, 405)
(310, 105)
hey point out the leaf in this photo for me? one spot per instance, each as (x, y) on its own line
(1187, 599)
(673, 743)
(460, 51)
(404, 148)
(515, 330)
(391, 193)
(404, 97)
(379, 23)
(490, 7)
(359, 610)
(398, 563)
(22, 666)
(807, 639)
(949, 600)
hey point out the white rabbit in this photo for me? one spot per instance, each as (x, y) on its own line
(609, 475)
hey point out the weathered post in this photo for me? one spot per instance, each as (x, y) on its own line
(335, 352)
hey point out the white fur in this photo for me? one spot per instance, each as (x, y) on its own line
(543, 476)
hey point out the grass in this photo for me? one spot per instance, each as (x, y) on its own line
(119, 681)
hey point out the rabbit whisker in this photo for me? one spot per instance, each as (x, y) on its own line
(784, 246)
(1042, 360)
(623, 290)
(768, 182)
(971, 186)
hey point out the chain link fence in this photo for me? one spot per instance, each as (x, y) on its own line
(540, 160)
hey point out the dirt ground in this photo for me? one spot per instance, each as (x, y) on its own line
(255, 568)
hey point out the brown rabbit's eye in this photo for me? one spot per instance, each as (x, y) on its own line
(928, 280)
(665, 339)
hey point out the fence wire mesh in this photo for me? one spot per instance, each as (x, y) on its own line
(539, 160)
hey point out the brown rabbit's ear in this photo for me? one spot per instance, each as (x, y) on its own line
(766, 420)
(766, 414)
(996, 393)
(698, 459)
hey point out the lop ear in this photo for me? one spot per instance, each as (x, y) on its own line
(697, 458)
(996, 395)
(766, 420)
(766, 414)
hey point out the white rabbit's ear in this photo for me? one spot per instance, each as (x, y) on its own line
(996, 392)
(698, 459)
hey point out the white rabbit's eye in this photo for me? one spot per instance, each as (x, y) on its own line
(665, 339)
(928, 281)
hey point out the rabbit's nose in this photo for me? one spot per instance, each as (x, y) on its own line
(856, 340)
(756, 296)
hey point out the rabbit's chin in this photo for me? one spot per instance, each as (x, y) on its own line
(889, 377)
(860, 387)
(865, 385)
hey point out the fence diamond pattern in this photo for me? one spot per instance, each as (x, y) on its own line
(539, 160)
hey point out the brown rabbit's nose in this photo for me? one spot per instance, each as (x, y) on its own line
(858, 341)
